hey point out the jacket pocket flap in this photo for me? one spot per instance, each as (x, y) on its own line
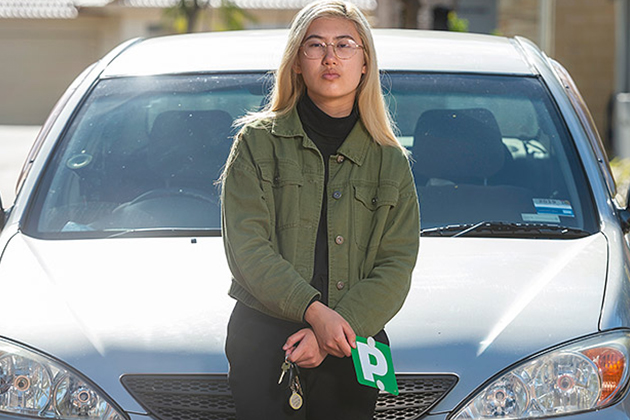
(374, 197)
(281, 174)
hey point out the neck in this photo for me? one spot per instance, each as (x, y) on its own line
(337, 108)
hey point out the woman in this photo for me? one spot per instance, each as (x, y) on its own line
(320, 223)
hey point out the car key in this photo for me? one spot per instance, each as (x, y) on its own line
(286, 365)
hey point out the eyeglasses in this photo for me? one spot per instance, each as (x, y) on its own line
(343, 49)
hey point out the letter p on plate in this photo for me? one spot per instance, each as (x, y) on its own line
(373, 365)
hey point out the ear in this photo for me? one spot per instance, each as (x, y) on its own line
(364, 69)
(296, 67)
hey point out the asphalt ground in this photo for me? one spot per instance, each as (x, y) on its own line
(15, 143)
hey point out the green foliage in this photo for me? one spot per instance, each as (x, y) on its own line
(456, 24)
(182, 16)
(621, 172)
(185, 15)
(233, 17)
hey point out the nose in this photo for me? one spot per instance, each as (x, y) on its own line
(329, 54)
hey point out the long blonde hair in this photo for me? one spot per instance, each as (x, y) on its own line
(289, 86)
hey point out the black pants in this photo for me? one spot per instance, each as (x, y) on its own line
(254, 350)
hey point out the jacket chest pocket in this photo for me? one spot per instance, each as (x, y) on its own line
(371, 209)
(282, 185)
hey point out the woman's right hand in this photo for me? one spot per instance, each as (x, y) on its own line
(334, 334)
(302, 349)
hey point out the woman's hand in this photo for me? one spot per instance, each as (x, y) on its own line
(302, 349)
(334, 334)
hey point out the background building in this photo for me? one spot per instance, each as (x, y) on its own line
(45, 44)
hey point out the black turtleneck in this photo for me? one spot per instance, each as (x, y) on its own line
(328, 134)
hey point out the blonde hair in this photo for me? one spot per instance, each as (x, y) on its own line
(289, 86)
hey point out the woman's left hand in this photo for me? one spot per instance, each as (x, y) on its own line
(302, 349)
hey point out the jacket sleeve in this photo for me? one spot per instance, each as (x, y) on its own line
(247, 231)
(374, 300)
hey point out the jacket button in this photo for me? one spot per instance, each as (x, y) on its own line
(375, 200)
(340, 158)
(337, 195)
(339, 240)
(340, 285)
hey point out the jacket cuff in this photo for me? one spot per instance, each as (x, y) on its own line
(298, 301)
(360, 328)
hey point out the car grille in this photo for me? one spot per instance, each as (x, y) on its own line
(207, 396)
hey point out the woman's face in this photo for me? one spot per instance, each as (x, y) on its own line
(332, 82)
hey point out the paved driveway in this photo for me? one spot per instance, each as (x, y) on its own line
(15, 142)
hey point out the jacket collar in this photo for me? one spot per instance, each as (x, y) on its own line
(355, 147)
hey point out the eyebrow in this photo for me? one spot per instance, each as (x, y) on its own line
(321, 37)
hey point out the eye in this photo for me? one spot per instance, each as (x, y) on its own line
(313, 44)
(345, 44)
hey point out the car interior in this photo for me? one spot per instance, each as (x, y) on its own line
(152, 160)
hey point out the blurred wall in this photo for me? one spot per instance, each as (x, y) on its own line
(41, 56)
(585, 45)
(39, 59)
(520, 17)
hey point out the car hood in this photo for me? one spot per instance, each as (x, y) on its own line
(160, 305)
(478, 305)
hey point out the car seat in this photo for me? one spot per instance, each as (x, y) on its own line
(456, 151)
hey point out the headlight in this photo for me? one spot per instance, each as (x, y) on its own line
(584, 375)
(35, 385)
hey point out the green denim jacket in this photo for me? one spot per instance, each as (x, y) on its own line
(271, 202)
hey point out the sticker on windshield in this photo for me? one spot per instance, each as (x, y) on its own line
(551, 206)
(541, 218)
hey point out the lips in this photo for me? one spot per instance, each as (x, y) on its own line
(330, 76)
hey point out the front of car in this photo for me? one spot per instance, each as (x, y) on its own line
(114, 278)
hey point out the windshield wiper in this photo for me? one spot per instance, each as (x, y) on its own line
(506, 230)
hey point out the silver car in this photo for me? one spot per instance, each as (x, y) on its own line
(113, 279)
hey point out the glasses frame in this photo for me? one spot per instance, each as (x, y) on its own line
(325, 46)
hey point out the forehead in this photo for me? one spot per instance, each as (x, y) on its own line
(332, 27)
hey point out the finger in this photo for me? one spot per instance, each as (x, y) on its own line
(299, 354)
(295, 355)
(308, 364)
(337, 346)
(348, 341)
(293, 340)
(314, 361)
(336, 349)
(350, 335)
(309, 359)
(345, 348)
(339, 353)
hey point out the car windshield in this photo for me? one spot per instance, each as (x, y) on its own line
(142, 156)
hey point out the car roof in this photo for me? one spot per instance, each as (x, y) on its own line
(397, 49)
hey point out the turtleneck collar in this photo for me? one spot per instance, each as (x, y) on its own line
(317, 121)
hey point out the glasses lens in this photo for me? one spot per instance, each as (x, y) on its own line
(346, 48)
(314, 49)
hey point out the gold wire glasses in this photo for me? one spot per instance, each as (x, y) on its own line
(343, 49)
